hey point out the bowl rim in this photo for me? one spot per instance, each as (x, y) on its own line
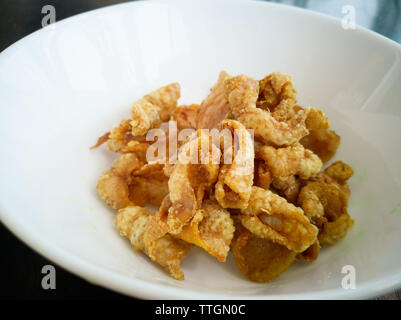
(139, 288)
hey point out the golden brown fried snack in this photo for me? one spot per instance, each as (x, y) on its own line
(234, 185)
(275, 88)
(242, 94)
(185, 116)
(338, 174)
(282, 162)
(168, 169)
(310, 165)
(196, 170)
(310, 203)
(157, 227)
(292, 160)
(339, 171)
(265, 229)
(332, 198)
(324, 143)
(154, 108)
(214, 108)
(317, 120)
(277, 95)
(325, 200)
(271, 216)
(259, 259)
(127, 163)
(331, 232)
(211, 229)
(150, 170)
(287, 187)
(113, 185)
(310, 254)
(263, 176)
(121, 140)
(132, 222)
(148, 184)
(101, 140)
(113, 190)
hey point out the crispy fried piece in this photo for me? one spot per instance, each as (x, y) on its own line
(265, 226)
(287, 187)
(132, 222)
(185, 116)
(285, 110)
(148, 184)
(168, 169)
(166, 98)
(263, 176)
(150, 170)
(274, 91)
(242, 94)
(169, 252)
(325, 200)
(113, 190)
(183, 196)
(113, 185)
(317, 120)
(277, 95)
(157, 227)
(331, 197)
(101, 140)
(211, 229)
(282, 162)
(196, 170)
(339, 171)
(310, 165)
(145, 116)
(324, 143)
(310, 204)
(130, 181)
(311, 254)
(147, 190)
(214, 108)
(124, 222)
(259, 259)
(288, 161)
(127, 163)
(271, 216)
(234, 185)
(322, 177)
(154, 108)
(331, 232)
(119, 137)
(257, 146)
(121, 140)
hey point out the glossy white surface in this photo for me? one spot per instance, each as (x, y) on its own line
(63, 87)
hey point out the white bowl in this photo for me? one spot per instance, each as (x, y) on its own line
(64, 86)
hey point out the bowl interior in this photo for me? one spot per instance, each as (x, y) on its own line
(64, 86)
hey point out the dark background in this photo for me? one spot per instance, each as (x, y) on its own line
(20, 267)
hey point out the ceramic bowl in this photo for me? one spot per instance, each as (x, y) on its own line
(67, 84)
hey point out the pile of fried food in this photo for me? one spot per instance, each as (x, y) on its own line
(272, 204)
